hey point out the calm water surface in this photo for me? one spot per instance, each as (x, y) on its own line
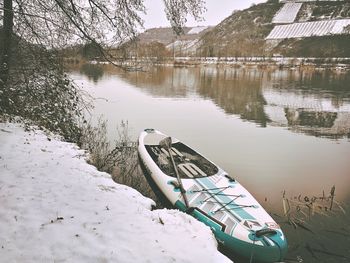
(274, 131)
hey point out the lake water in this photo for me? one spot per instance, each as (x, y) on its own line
(275, 131)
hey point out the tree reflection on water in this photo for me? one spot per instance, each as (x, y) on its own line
(92, 71)
(311, 102)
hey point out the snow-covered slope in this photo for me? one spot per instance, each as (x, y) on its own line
(308, 29)
(197, 30)
(57, 208)
(184, 47)
(287, 13)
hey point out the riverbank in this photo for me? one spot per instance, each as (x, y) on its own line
(280, 62)
(276, 62)
(56, 207)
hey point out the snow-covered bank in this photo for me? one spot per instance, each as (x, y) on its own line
(54, 207)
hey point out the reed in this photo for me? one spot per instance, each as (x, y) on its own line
(300, 209)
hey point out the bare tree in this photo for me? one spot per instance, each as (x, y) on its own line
(56, 23)
(32, 81)
(6, 40)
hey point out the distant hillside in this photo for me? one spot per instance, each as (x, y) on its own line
(323, 10)
(163, 42)
(321, 30)
(166, 35)
(305, 28)
(241, 34)
(163, 35)
(327, 46)
(244, 33)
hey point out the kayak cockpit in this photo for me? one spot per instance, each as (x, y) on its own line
(190, 164)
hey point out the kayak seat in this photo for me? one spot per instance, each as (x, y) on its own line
(189, 163)
(191, 170)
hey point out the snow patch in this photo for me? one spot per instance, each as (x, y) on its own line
(197, 30)
(287, 13)
(309, 29)
(56, 207)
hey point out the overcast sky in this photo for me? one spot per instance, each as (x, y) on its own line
(217, 10)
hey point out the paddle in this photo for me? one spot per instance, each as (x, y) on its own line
(166, 144)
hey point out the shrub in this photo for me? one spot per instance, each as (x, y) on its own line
(40, 91)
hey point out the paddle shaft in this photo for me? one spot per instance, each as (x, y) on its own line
(183, 192)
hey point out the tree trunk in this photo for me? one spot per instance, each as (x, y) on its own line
(5, 58)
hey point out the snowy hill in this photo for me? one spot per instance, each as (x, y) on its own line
(260, 31)
(241, 34)
(57, 208)
(166, 35)
(314, 19)
(163, 42)
(244, 33)
(316, 25)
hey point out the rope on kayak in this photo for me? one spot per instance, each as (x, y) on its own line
(240, 206)
(211, 189)
(212, 195)
(217, 193)
(226, 204)
(220, 193)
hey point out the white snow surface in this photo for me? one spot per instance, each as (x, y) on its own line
(287, 13)
(309, 29)
(197, 30)
(184, 46)
(54, 207)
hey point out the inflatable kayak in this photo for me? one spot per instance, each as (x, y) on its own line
(200, 188)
